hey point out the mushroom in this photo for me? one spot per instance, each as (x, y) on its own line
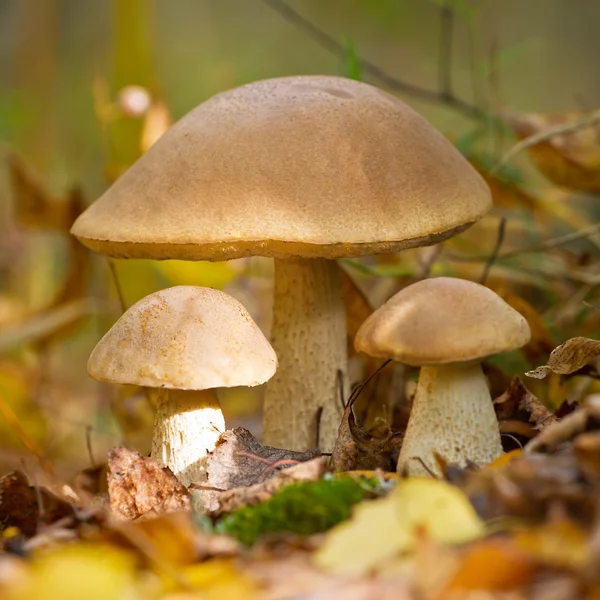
(306, 170)
(447, 327)
(185, 341)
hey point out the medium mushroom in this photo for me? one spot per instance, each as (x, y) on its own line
(447, 327)
(305, 170)
(185, 341)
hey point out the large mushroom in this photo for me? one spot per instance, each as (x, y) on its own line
(447, 327)
(185, 341)
(305, 170)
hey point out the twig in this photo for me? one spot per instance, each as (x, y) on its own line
(359, 388)
(495, 251)
(547, 245)
(432, 255)
(318, 417)
(547, 134)
(120, 295)
(340, 378)
(393, 83)
(88, 443)
(445, 55)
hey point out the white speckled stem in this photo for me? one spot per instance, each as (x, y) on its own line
(452, 414)
(186, 427)
(309, 337)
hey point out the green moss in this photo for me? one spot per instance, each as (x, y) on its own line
(301, 508)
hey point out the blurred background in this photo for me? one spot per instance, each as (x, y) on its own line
(87, 87)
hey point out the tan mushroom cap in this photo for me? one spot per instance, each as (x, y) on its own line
(311, 166)
(440, 321)
(184, 337)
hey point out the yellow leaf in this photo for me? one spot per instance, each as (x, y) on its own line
(208, 274)
(381, 529)
(221, 579)
(93, 572)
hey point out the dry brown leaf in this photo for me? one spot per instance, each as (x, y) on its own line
(239, 459)
(138, 485)
(229, 500)
(520, 413)
(569, 357)
(572, 159)
(26, 507)
(356, 449)
(172, 539)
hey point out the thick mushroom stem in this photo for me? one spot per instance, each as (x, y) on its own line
(309, 337)
(453, 415)
(187, 425)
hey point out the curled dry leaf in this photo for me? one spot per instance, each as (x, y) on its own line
(26, 507)
(138, 485)
(356, 449)
(583, 419)
(240, 460)
(569, 357)
(520, 413)
(254, 494)
(570, 159)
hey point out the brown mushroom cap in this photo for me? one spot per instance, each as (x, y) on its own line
(311, 166)
(440, 321)
(184, 337)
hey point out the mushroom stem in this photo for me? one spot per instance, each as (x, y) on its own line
(453, 415)
(309, 337)
(187, 425)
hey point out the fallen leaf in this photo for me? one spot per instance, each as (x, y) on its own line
(26, 507)
(558, 543)
(138, 485)
(520, 413)
(171, 540)
(356, 449)
(569, 357)
(570, 159)
(382, 529)
(243, 496)
(76, 571)
(493, 564)
(567, 428)
(239, 459)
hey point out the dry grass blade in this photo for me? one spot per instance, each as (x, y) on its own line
(43, 324)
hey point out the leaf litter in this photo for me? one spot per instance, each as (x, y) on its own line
(283, 524)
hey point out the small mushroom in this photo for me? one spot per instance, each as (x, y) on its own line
(447, 327)
(306, 170)
(185, 341)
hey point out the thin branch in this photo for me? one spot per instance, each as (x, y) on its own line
(330, 44)
(547, 134)
(547, 245)
(120, 295)
(494, 255)
(445, 56)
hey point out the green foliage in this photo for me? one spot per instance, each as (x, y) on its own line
(352, 68)
(301, 508)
